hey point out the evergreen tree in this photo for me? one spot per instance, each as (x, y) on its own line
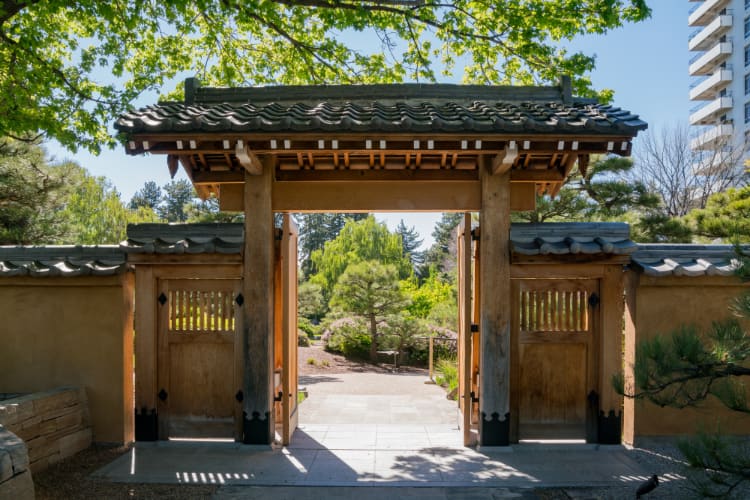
(31, 194)
(370, 290)
(410, 242)
(149, 195)
(176, 201)
(726, 216)
(440, 256)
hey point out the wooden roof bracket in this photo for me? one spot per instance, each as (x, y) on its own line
(503, 161)
(247, 158)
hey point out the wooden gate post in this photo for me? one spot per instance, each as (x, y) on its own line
(257, 309)
(495, 310)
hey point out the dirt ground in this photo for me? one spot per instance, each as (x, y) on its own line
(315, 360)
(69, 479)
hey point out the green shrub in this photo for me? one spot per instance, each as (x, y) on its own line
(447, 369)
(348, 336)
(307, 326)
(302, 339)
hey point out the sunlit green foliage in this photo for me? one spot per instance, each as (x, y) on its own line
(726, 216)
(358, 241)
(54, 52)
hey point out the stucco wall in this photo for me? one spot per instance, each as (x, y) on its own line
(659, 306)
(74, 331)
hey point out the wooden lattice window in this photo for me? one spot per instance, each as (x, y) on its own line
(554, 310)
(196, 311)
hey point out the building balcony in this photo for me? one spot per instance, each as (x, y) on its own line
(709, 87)
(709, 113)
(717, 162)
(705, 12)
(706, 63)
(709, 35)
(713, 138)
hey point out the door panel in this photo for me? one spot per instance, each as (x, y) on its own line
(464, 327)
(290, 415)
(555, 334)
(197, 358)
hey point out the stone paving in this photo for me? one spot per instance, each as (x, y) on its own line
(405, 436)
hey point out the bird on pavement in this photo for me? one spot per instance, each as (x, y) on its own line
(647, 486)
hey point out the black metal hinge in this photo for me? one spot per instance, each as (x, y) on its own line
(239, 299)
(474, 328)
(594, 300)
(162, 299)
(278, 396)
(163, 395)
(239, 396)
(475, 234)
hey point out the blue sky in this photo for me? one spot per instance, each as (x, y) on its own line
(645, 64)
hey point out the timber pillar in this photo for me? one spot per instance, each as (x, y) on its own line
(257, 310)
(495, 307)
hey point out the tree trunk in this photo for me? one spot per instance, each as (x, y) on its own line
(374, 339)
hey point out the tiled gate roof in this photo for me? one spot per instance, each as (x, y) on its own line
(382, 108)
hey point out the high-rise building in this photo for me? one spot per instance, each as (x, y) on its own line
(720, 67)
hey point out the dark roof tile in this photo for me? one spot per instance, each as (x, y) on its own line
(290, 109)
(65, 261)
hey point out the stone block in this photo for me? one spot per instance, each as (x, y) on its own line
(28, 433)
(57, 398)
(42, 447)
(30, 422)
(73, 443)
(68, 421)
(47, 427)
(61, 411)
(20, 487)
(15, 448)
(6, 466)
(8, 414)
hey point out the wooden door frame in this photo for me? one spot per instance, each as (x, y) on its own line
(149, 270)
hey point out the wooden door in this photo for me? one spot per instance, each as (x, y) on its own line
(199, 365)
(289, 413)
(464, 327)
(556, 334)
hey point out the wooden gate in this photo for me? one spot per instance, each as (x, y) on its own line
(288, 264)
(199, 359)
(467, 357)
(556, 335)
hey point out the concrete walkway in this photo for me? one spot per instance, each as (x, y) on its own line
(375, 430)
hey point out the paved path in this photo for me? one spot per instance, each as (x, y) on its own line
(375, 398)
(396, 432)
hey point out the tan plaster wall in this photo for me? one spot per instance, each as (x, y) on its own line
(74, 331)
(661, 306)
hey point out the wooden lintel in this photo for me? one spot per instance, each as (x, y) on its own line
(248, 159)
(522, 196)
(230, 177)
(374, 196)
(536, 176)
(375, 175)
